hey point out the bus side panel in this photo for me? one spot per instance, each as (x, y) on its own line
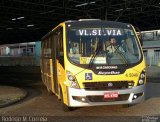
(47, 74)
(43, 67)
(64, 83)
(46, 64)
(61, 79)
(51, 75)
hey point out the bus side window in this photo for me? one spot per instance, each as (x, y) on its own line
(55, 38)
(61, 42)
(59, 46)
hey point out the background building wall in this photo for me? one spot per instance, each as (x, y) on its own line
(23, 54)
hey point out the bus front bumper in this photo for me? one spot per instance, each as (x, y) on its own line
(82, 97)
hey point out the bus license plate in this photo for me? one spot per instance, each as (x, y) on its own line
(111, 95)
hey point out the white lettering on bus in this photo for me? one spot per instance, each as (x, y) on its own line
(109, 32)
(81, 32)
(119, 32)
(86, 33)
(99, 32)
(107, 67)
(108, 73)
(94, 32)
(114, 33)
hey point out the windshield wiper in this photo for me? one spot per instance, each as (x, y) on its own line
(94, 56)
(122, 55)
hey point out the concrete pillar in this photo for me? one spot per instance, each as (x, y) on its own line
(37, 52)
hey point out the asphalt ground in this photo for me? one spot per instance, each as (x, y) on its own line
(40, 104)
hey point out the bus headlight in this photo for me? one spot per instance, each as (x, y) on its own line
(142, 75)
(141, 80)
(72, 80)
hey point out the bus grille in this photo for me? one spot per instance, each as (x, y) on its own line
(109, 85)
(101, 98)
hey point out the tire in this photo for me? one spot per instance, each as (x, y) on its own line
(64, 106)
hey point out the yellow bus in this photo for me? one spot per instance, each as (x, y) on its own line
(93, 62)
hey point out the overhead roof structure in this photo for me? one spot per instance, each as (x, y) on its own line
(29, 20)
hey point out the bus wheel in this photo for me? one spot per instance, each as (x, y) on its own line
(49, 91)
(64, 106)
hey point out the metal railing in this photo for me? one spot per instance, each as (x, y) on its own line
(152, 60)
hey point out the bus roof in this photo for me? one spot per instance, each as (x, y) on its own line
(91, 22)
(96, 22)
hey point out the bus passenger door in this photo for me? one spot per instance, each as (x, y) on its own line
(60, 56)
(45, 63)
(54, 62)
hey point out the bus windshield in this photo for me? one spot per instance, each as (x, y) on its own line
(104, 46)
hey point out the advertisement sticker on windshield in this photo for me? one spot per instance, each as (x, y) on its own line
(97, 60)
(83, 60)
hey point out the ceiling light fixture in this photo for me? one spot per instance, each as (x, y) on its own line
(129, 8)
(20, 17)
(31, 25)
(119, 10)
(13, 19)
(9, 28)
(84, 4)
